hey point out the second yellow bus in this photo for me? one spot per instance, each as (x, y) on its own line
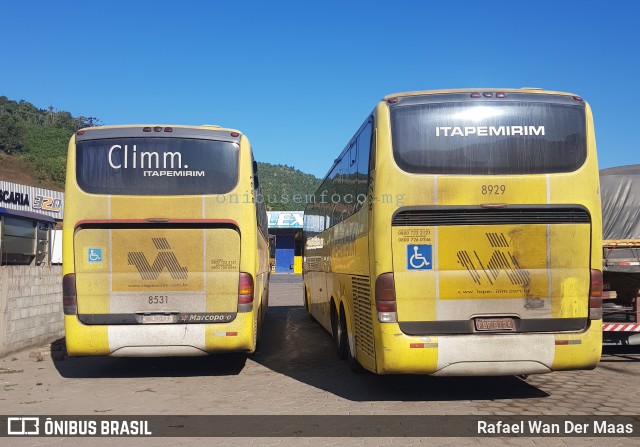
(459, 233)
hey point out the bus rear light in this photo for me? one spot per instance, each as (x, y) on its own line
(245, 292)
(146, 129)
(168, 129)
(595, 295)
(475, 95)
(69, 295)
(386, 298)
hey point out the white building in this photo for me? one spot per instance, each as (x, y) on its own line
(28, 216)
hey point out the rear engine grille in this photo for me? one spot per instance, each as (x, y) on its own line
(439, 216)
(362, 314)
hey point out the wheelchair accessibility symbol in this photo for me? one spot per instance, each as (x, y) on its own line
(419, 257)
(94, 255)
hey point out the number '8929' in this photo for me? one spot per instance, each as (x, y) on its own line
(493, 189)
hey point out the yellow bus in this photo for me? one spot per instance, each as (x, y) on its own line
(165, 245)
(459, 233)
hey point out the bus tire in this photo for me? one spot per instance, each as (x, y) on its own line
(353, 363)
(258, 330)
(306, 304)
(339, 335)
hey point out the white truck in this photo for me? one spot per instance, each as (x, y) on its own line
(620, 192)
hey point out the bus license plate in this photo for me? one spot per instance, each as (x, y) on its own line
(157, 319)
(495, 324)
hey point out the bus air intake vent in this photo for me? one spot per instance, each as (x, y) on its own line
(478, 216)
(362, 314)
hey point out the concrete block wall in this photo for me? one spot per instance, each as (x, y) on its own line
(30, 306)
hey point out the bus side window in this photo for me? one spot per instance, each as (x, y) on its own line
(362, 177)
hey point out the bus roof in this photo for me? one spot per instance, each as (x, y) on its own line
(532, 90)
(174, 126)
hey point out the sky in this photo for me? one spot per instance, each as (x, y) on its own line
(299, 77)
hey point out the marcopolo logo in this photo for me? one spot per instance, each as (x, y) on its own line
(165, 258)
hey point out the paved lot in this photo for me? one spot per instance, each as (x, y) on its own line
(297, 372)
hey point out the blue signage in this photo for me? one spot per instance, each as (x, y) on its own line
(94, 255)
(419, 257)
(285, 219)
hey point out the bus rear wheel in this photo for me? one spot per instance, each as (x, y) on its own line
(339, 334)
(306, 304)
(353, 363)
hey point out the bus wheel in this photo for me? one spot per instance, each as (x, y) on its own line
(339, 335)
(258, 329)
(353, 363)
(306, 305)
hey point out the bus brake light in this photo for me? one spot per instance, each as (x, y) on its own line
(245, 292)
(386, 298)
(69, 295)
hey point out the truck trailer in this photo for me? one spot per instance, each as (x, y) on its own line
(620, 193)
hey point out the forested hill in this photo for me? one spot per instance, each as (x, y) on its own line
(39, 139)
(33, 151)
(281, 183)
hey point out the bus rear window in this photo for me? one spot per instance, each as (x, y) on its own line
(489, 138)
(156, 166)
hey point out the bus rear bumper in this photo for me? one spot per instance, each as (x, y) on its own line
(486, 354)
(160, 340)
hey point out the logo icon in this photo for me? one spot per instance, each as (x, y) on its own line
(419, 257)
(23, 426)
(501, 260)
(166, 258)
(94, 254)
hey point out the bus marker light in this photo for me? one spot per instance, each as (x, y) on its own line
(501, 95)
(487, 94)
(475, 95)
(157, 129)
(235, 134)
(568, 342)
(168, 129)
(595, 295)
(80, 132)
(392, 100)
(146, 129)
(225, 334)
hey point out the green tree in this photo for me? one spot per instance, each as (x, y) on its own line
(11, 134)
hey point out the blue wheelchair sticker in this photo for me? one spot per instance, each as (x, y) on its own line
(94, 254)
(419, 257)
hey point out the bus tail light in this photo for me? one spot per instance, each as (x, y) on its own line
(386, 299)
(595, 295)
(69, 295)
(245, 292)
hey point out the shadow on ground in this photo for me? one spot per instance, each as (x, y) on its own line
(295, 346)
(620, 354)
(116, 367)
